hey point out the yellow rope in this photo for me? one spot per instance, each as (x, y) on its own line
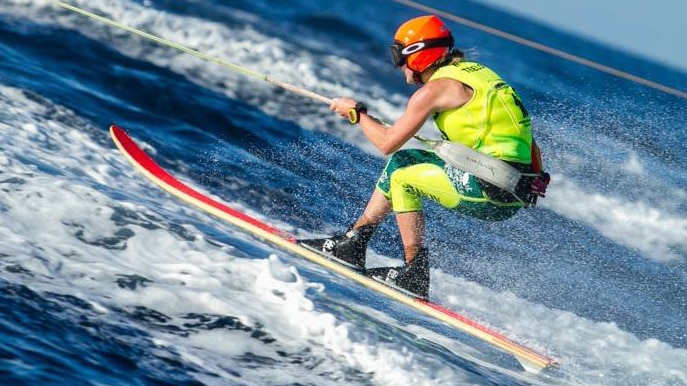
(198, 54)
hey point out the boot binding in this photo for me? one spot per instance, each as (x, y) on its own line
(349, 247)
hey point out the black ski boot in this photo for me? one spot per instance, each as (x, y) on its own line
(414, 276)
(349, 247)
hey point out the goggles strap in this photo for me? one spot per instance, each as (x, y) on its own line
(399, 52)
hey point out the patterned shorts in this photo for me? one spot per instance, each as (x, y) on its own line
(412, 174)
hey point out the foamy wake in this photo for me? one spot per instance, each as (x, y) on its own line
(639, 225)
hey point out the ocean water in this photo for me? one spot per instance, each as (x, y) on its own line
(107, 280)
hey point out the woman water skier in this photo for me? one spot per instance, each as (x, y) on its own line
(470, 104)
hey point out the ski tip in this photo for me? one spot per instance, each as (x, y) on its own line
(116, 129)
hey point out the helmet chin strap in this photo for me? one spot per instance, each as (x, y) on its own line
(417, 78)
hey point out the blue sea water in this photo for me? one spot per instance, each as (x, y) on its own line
(107, 280)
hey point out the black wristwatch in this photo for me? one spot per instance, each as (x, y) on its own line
(354, 113)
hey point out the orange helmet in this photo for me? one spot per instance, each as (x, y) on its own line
(420, 43)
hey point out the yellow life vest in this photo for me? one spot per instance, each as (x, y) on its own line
(494, 121)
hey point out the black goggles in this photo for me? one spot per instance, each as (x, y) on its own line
(399, 52)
